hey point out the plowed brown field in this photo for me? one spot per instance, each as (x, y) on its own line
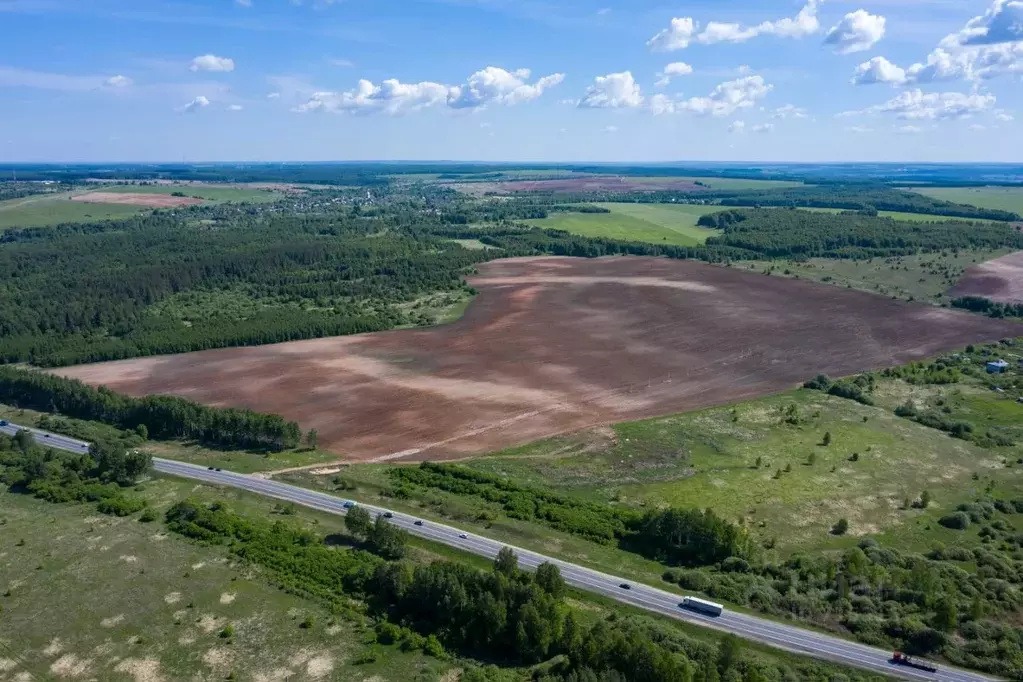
(1000, 280)
(557, 344)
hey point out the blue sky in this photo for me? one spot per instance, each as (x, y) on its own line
(513, 80)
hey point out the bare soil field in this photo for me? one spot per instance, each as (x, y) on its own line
(559, 344)
(1000, 280)
(137, 199)
(593, 183)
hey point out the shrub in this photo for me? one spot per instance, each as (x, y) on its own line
(840, 527)
(121, 505)
(957, 521)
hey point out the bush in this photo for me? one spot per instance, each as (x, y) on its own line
(957, 521)
(841, 527)
(121, 505)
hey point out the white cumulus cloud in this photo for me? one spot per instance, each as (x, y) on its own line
(803, 24)
(724, 100)
(494, 85)
(789, 111)
(910, 130)
(491, 85)
(917, 105)
(273, 95)
(859, 129)
(613, 91)
(878, 70)
(1003, 115)
(196, 104)
(763, 128)
(672, 70)
(235, 107)
(676, 37)
(737, 127)
(977, 127)
(857, 32)
(211, 62)
(611, 129)
(118, 82)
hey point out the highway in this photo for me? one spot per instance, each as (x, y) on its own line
(772, 633)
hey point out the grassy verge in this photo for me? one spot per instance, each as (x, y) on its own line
(657, 223)
(921, 278)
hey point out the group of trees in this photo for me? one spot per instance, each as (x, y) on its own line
(164, 417)
(101, 475)
(980, 304)
(674, 536)
(503, 615)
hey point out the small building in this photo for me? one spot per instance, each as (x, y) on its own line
(997, 366)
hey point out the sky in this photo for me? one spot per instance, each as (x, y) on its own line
(511, 80)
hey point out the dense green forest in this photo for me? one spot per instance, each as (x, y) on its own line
(165, 417)
(503, 615)
(979, 304)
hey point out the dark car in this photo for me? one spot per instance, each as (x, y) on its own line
(419, 523)
(218, 469)
(388, 515)
(210, 468)
(625, 586)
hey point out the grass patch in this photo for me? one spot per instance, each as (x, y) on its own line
(42, 210)
(657, 223)
(115, 598)
(923, 278)
(721, 183)
(1001, 198)
(902, 215)
(213, 193)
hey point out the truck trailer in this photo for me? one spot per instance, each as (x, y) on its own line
(702, 605)
(899, 658)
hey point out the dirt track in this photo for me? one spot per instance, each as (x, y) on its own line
(1000, 280)
(557, 344)
(137, 199)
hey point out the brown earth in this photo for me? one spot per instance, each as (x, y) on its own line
(592, 183)
(133, 199)
(558, 344)
(1000, 280)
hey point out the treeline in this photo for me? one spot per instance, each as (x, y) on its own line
(503, 615)
(102, 475)
(980, 304)
(320, 174)
(674, 536)
(773, 233)
(851, 197)
(163, 417)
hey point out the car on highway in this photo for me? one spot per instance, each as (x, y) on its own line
(388, 515)
(463, 536)
(46, 435)
(625, 586)
(210, 468)
(418, 523)
(4, 422)
(348, 505)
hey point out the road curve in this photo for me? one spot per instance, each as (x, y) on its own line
(765, 631)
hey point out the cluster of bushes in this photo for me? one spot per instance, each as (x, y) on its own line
(928, 605)
(503, 615)
(675, 536)
(939, 372)
(979, 304)
(162, 416)
(858, 389)
(102, 475)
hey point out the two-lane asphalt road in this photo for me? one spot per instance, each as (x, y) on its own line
(762, 630)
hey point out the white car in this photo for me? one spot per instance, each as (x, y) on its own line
(463, 536)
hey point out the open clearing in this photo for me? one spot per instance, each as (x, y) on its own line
(40, 210)
(137, 199)
(1000, 279)
(215, 193)
(657, 223)
(557, 344)
(1002, 198)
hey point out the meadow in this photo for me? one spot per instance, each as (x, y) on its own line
(900, 215)
(214, 193)
(1002, 198)
(657, 223)
(921, 278)
(725, 183)
(52, 209)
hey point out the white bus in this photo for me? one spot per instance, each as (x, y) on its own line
(702, 605)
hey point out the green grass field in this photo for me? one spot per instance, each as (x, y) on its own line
(212, 193)
(98, 597)
(922, 278)
(724, 183)
(42, 210)
(657, 223)
(1002, 198)
(897, 215)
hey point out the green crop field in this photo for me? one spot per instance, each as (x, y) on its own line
(898, 215)
(657, 223)
(1002, 198)
(922, 278)
(41, 210)
(214, 193)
